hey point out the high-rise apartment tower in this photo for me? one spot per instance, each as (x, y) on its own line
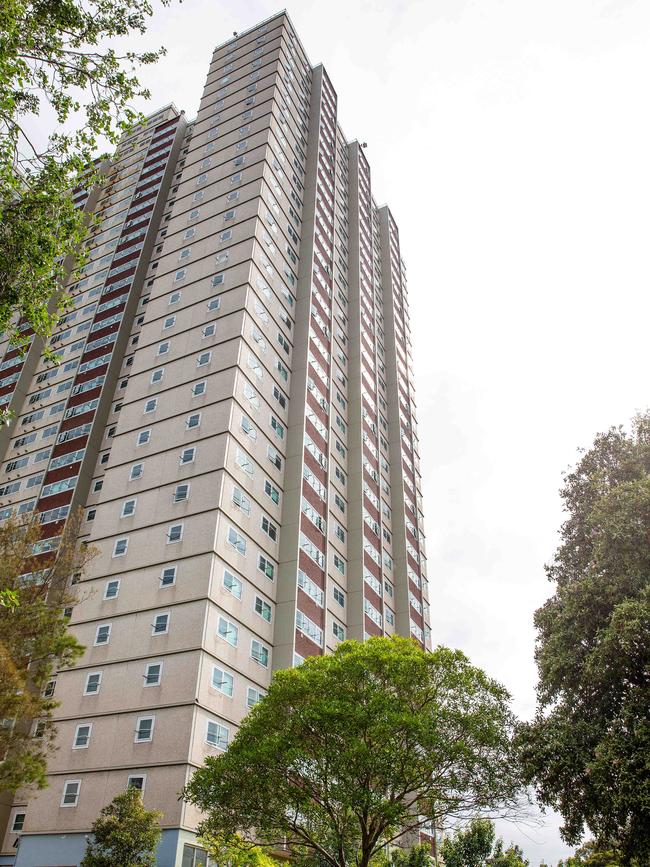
(233, 410)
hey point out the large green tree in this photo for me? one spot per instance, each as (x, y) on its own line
(588, 749)
(124, 834)
(34, 643)
(470, 846)
(350, 750)
(53, 57)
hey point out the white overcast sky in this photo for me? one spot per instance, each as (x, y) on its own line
(511, 139)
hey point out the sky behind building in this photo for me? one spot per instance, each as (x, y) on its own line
(510, 138)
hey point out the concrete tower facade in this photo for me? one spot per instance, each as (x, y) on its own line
(237, 420)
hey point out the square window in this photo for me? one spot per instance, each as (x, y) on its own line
(223, 681)
(112, 588)
(259, 653)
(169, 322)
(157, 375)
(228, 631)
(153, 674)
(199, 388)
(103, 634)
(216, 735)
(160, 625)
(232, 584)
(203, 358)
(150, 405)
(174, 533)
(120, 547)
(227, 235)
(93, 683)
(264, 565)
(143, 437)
(136, 781)
(263, 608)
(136, 472)
(253, 696)
(174, 298)
(180, 275)
(164, 348)
(217, 280)
(144, 729)
(168, 576)
(70, 797)
(214, 303)
(193, 420)
(209, 330)
(272, 492)
(181, 493)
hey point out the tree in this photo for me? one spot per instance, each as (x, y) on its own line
(50, 58)
(471, 847)
(589, 855)
(236, 852)
(586, 751)
(34, 643)
(349, 751)
(513, 856)
(124, 834)
(415, 856)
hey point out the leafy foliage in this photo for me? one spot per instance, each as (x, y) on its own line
(124, 834)
(475, 846)
(236, 852)
(349, 751)
(50, 56)
(34, 642)
(415, 856)
(587, 750)
(470, 847)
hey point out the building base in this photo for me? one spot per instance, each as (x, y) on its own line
(177, 848)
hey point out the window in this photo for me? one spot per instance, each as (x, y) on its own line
(216, 735)
(18, 823)
(153, 674)
(174, 533)
(181, 493)
(244, 462)
(48, 692)
(112, 588)
(263, 609)
(136, 781)
(82, 736)
(232, 584)
(228, 631)
(209, 330)
(264, 565)
(248, 428)
(269, 528)
(278, 429)
(339, 502)
(181, 274)
(103, 634)
(193, 420)
(136, 472)
(128, 508)
(340, 475)
(144, 729)
(160, 625)
(169, 322)
(143, 437)
(168, 576)
(187, 456)
(274, 457)
(70, 797)
(226, 235)
(241, 501)
(259, 653)
(163, 348)
(93, 683)
(157, 375)
(338, 631)
(214, 303)
(150, 405)
(253, 696)
(339, 596)
(272, 492)
(222, 681)
(120, 547)
(203, 358)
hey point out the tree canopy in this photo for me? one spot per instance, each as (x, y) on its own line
(349, 751)
(34, 643)
(124, 834)
(475, 846)
(587, 749)
(52, 59)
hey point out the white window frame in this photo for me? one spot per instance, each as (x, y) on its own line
(171, 541)
(126, 547)
(99, 683)
(124, 514)
(146, 674)
(108, 635)
(64, 793)
(85, 746)
(108, 584)
(140, 719)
